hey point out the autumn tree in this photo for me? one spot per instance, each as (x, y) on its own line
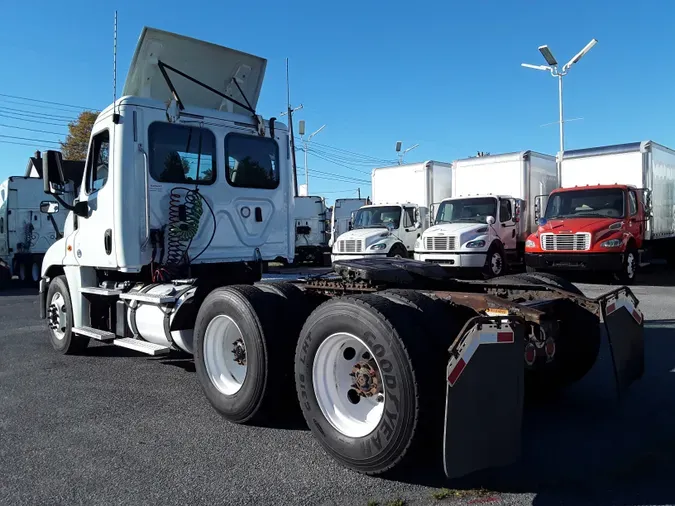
(77, 142)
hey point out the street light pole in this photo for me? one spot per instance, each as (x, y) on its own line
(305, 143)
(552, 67)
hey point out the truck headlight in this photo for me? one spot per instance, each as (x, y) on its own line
(612, 243)
(530, 244)
(379, 245)
(480, 243)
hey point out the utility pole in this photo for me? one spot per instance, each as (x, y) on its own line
(359, 192)
(552, 67)
(290, 112)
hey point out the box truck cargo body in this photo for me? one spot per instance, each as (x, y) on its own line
(486, 221)
(402, 198)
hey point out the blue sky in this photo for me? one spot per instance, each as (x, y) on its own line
(444, 74)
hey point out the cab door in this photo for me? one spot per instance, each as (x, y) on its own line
(409, 230)
(635, 222)
(93, 242)
(507, 224)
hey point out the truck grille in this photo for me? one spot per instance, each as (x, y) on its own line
(440, 243)
(350, 246)
(580, 241)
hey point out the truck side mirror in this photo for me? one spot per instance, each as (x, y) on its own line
(537, 208)
(55, 182)
(52, 173)
(490, 220)
(47, 207)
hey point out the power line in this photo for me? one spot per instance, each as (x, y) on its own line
(32, 120)
(28, 139)
(35, 114)
(32, 129)
(48, 102)
(40, 106)
(375, 159)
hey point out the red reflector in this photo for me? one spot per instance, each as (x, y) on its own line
(637, 316)
(454, 374)
(611, 308)
(504, 337)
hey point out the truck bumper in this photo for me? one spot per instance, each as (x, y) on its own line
(355, 256)
(575, 261)
(467, 260)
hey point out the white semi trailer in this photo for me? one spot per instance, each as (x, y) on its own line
(311, 236)
(180, 205)
(485, 224)
(25, 232)
(402, 197)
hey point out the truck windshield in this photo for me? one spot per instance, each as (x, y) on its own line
(600, 203)
(466, 210)
(377, 217)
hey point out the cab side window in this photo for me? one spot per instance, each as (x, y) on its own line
(505, 213)
(632, 203)
(97, 162)
(408, 217)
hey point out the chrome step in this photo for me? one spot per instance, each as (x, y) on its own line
(97, 290)
(149, 299)
(142, 346)
(100, 335)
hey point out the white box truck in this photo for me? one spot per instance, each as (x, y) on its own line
(341, 217)
(488, 219)
(25, 232)
(311, 235)
(614, 212)
(402, 197)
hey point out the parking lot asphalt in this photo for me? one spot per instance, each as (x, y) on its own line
(116, 427)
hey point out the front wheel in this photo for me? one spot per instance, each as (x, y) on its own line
(629, 268)
(398, 251)
(495, 263)
(60, 319)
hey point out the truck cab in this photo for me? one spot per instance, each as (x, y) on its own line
(476, 232)
(380, 230)
(599, 227)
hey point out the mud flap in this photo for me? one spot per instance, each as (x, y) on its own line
(484, 396)
(624, 323)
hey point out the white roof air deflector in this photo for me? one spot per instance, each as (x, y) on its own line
(214, 66)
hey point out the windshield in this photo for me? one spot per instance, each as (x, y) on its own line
(377, 217)
(466, 210)
(605, 203)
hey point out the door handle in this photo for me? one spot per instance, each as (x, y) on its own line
(258, 214)
(107, 241)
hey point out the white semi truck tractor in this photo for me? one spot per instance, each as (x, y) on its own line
(187, 190)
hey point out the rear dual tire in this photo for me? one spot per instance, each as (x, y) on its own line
(380, 430)
(244, 342)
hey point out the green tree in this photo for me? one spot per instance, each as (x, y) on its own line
(77, 141)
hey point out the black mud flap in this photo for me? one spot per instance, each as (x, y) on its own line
(485, 396)
(624, 323)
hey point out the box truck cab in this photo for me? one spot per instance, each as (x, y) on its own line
(614, 212)
(597, 227)
(486, 222)
(384, 230)
(402, 198)
(472, 232)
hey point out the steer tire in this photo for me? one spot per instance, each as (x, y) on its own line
(394, 332)
(69, 344)
(257, 314)
(398, 250)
